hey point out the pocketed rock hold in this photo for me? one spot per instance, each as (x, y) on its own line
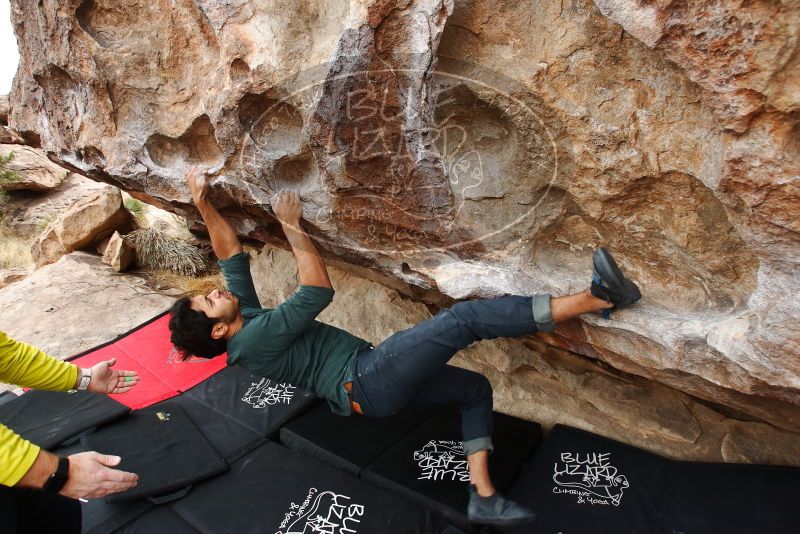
(87, 221)
(119, 254)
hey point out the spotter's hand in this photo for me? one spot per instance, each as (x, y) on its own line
(107, 380)
(91, 476)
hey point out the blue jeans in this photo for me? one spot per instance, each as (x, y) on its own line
(410, 366)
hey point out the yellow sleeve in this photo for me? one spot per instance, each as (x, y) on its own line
(16, 456)
(26, 366)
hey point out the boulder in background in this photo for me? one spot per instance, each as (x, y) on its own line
(9, 276)
(5, 109)
(36, 172)
(118, 253)
(86, 222)
(90, 304)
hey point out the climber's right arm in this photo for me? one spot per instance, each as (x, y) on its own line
(223, 238)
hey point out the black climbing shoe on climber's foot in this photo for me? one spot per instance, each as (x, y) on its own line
(609, 284)
(496, 510)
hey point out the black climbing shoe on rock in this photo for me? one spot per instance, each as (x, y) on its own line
(609, 284)
(496, 510)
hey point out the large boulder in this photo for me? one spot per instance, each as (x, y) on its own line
(7, 135)
(35, 172)
(12, 275)
(90, 219)
(75, 304)
(118, 253)
(5, 109)
(27, 213)
(435, 143)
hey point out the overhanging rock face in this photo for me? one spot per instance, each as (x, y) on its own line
(477, 149)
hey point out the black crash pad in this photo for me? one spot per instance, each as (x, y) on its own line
(102, 517)
(51, 418)
(236, 410)
(349, 443)
(258, 403)
(159, 520)
(231, 439)
(277, 490)
(7, 396)
(428, 465)
(161, 445)
(99, 516)
(579, 482)
(706, 498)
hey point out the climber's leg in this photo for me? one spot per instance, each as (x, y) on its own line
(473, 394)
(571, 306)
(406, 360)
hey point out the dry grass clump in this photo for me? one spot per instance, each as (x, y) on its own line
(187, 285)
(14, 252)
(159, 251)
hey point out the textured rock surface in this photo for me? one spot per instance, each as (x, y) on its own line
(14, 274)
(6, 134)
(26, 213)
(75, 304)
(118, 253)
(36, 172)
(667, 131)
(5, 109)
(538, 382)
(88, 220)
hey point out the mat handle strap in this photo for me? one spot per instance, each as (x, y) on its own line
(77, 437)
(168, 497)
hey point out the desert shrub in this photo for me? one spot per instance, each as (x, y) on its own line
(6, 176)
(15, 251)
(158, 250)
(136, 207)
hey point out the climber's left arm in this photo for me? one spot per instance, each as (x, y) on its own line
(223, 238)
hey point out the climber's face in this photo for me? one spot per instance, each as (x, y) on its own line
(220, 305)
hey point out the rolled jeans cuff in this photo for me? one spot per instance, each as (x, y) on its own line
(542, 314)
(478, 444)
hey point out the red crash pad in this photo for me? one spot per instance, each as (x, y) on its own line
(147, 350)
